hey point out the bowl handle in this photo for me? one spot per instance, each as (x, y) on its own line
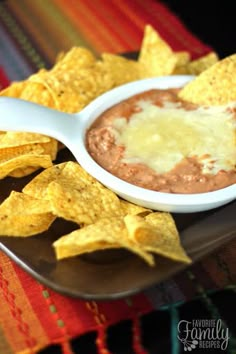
(20, 115)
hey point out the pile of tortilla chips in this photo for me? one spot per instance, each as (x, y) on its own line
(66, 190)
(104, 221)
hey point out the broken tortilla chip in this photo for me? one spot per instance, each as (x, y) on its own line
(156, 233)
(183, 59)
(201, 64)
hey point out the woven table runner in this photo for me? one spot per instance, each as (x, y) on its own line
(32, 316)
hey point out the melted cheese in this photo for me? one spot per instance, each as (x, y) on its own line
(160, 137)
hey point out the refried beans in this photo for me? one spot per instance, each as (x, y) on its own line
(186, 172)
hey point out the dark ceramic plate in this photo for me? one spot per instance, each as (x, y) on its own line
(111, 274)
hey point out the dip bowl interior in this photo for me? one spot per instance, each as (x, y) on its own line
(176, 203)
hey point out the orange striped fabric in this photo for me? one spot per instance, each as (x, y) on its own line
(108, 25)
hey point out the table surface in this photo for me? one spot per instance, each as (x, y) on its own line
(204, 291)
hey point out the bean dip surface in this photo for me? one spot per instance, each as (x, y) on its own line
(158, 142)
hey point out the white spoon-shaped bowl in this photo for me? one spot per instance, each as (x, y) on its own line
(70, 129)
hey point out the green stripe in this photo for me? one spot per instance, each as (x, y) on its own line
(20, 37)
(70, 31)
(212, 309)
(173, 330)
(37, 22)
(197, 297)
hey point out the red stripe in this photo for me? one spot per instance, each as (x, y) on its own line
(136, 16)
(4, 82)
(172, 29)
(70, 311)
(34, 295)
(166, 23)
(74, 312)
(116, 22)
(96, 25)
(102, 21)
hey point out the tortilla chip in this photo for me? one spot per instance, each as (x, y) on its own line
(8, 153)
(71, 90)
(76, 58)
(20, 203)
(50, 148)
(22, 216)
(156, 56)
(22, 161)
(11, 138)
(77, 196)
(156, 233)
(70, 80)
(37, 187)
(214, 86)
(70, 176)
(197, 66)
(183, 59)
(38, 93)
(23, 171)
(128, 208)
(14, 90)
(24, 225)
(74, 80)
(103, 234)
(74, 194)
(82, 202)
(119, 69)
